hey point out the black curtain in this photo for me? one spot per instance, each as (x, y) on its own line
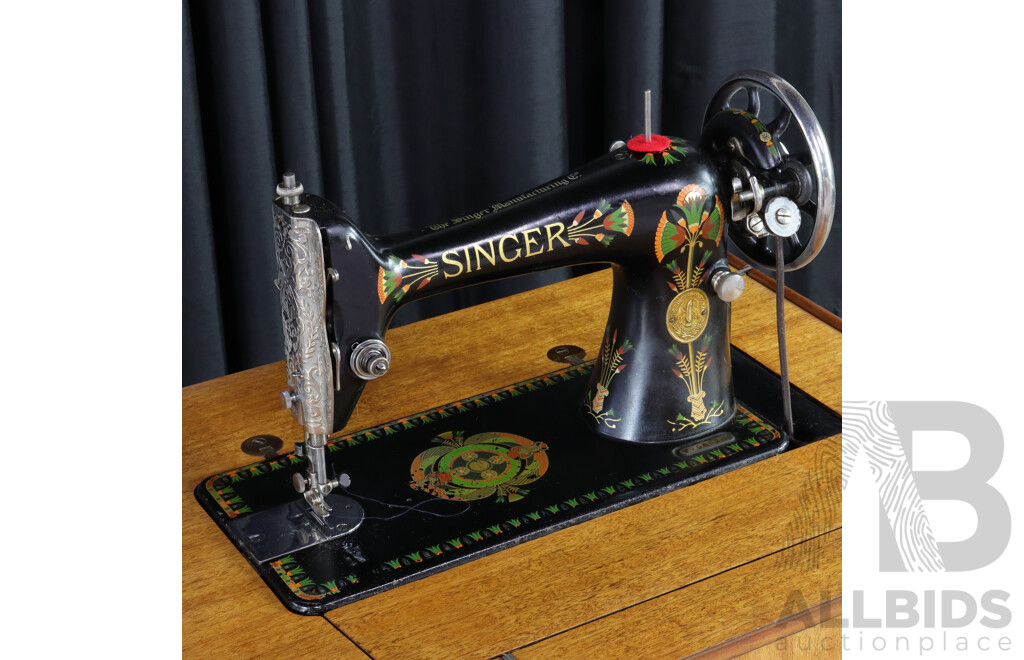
(409, 112)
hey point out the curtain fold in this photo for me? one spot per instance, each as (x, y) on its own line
(234, 105)
(408, 112)
(203, 353)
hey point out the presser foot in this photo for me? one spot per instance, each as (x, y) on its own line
(315, 487)
(288, 528)
(314, 491)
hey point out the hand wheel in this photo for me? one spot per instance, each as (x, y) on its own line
(803, 175)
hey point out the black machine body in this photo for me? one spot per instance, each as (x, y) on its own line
(660, 210)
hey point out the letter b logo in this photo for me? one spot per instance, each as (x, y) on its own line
(882, 431)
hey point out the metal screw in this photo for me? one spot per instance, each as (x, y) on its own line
(782, 217)
(288, 399)
(755, 225)
(300, 208)
(333, 274)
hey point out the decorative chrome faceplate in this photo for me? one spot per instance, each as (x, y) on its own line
(301, 281)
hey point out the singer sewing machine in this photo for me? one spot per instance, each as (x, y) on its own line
(665, 403)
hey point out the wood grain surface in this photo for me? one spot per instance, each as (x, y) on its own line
(821, 641)
(776, 631)
(568, 592)
(801, 301)
(697, 615)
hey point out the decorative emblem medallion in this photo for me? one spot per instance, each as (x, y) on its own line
(687, 315)
(477, 467)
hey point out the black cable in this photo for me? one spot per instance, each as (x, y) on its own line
(780, 324)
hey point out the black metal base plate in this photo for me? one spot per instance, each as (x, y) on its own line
(483, 474)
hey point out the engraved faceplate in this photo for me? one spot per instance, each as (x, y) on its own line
(301, 281)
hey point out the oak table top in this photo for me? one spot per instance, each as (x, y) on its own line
(719, 568)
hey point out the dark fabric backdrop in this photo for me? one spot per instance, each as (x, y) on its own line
(409, 112)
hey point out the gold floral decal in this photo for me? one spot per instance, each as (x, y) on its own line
(611, 366)
(691, 369)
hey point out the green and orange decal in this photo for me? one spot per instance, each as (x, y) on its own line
(764, 133)
(403, 274)
(480, 466)
(675, 152)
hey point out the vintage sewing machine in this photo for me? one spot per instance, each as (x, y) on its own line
(656, 410)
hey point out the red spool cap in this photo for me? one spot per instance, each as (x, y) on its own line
(657, 143)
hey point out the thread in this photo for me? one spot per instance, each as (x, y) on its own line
(407, 509)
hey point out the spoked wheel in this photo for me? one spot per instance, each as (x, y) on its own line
(798, 170)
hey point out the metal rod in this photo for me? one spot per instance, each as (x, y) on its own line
(783, 189)
(647, 115)
(780, 322)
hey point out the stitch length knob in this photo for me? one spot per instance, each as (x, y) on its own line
(289, 399)
(729, 286)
